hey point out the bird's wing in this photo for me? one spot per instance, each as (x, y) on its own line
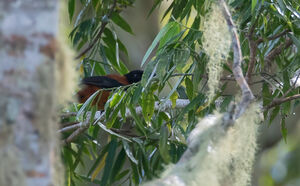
(101, 82)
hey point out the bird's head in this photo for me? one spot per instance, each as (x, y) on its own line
(134, 76)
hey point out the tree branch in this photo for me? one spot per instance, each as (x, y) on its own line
(101, 30)
(260, 40)
(253, 50)
(247, 95)
(277, 102)
(82, 126)
(276, 51)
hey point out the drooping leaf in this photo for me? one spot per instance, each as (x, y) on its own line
(110, 158)
(283, 129)
(161, 33)
(163, 144)
(189, 88)
(129, 152)
(118, 164)
(116, 18)
(71, 9)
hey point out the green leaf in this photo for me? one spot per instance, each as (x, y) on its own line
(173, 99)
(180, 58)
(99, 158)
(282, 5)
(274, 113)
(283, 129)
(111, 121)
(88, 179)
(71, 8)
(148, 74)
(129, 152)
(116, 98)
(189, 88)
(136, 95)
(112, 132)
(118, 165)
(187, 9)
(109, 57)
(173, 31)
(162, 116)
(155, 5)
(93, 113)
(116, 18)
(295, 40)
(174, 88)
(163, 144)
(121, 175)
(137, 119)
(148, 102)
(178, 8)
(266, 94)
(254, 2)
(161, 33)
(135, 174)
(109, 159)
(87, 103)
(196, 102)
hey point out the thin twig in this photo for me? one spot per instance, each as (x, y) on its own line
(67, 115)
(292, 87)
(70, 127)
(276, 51)
(277, 102)
(260, 40)
(82, 127)
(74, 135)
(253, 49)
(226, 78)
(69, 124)
(101, 30)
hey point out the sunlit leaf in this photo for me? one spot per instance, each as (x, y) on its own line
(173, 99)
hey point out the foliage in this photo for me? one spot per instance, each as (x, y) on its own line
(270, 39)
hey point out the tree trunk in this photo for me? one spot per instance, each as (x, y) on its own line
(28, 142)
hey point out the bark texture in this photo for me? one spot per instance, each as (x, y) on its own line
(28, 141)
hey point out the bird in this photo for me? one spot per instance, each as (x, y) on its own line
(94, 83)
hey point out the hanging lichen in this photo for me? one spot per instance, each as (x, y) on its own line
(223, 158)
(216, 44)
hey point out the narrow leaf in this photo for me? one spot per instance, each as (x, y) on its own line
(99, 167)
(110, 157)
(129, 152)
(71, 8)
(116, 18)
(163, 146)
(161, 33)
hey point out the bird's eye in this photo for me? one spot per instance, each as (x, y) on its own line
(81, 97)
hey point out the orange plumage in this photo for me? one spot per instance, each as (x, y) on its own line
(94, 83)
